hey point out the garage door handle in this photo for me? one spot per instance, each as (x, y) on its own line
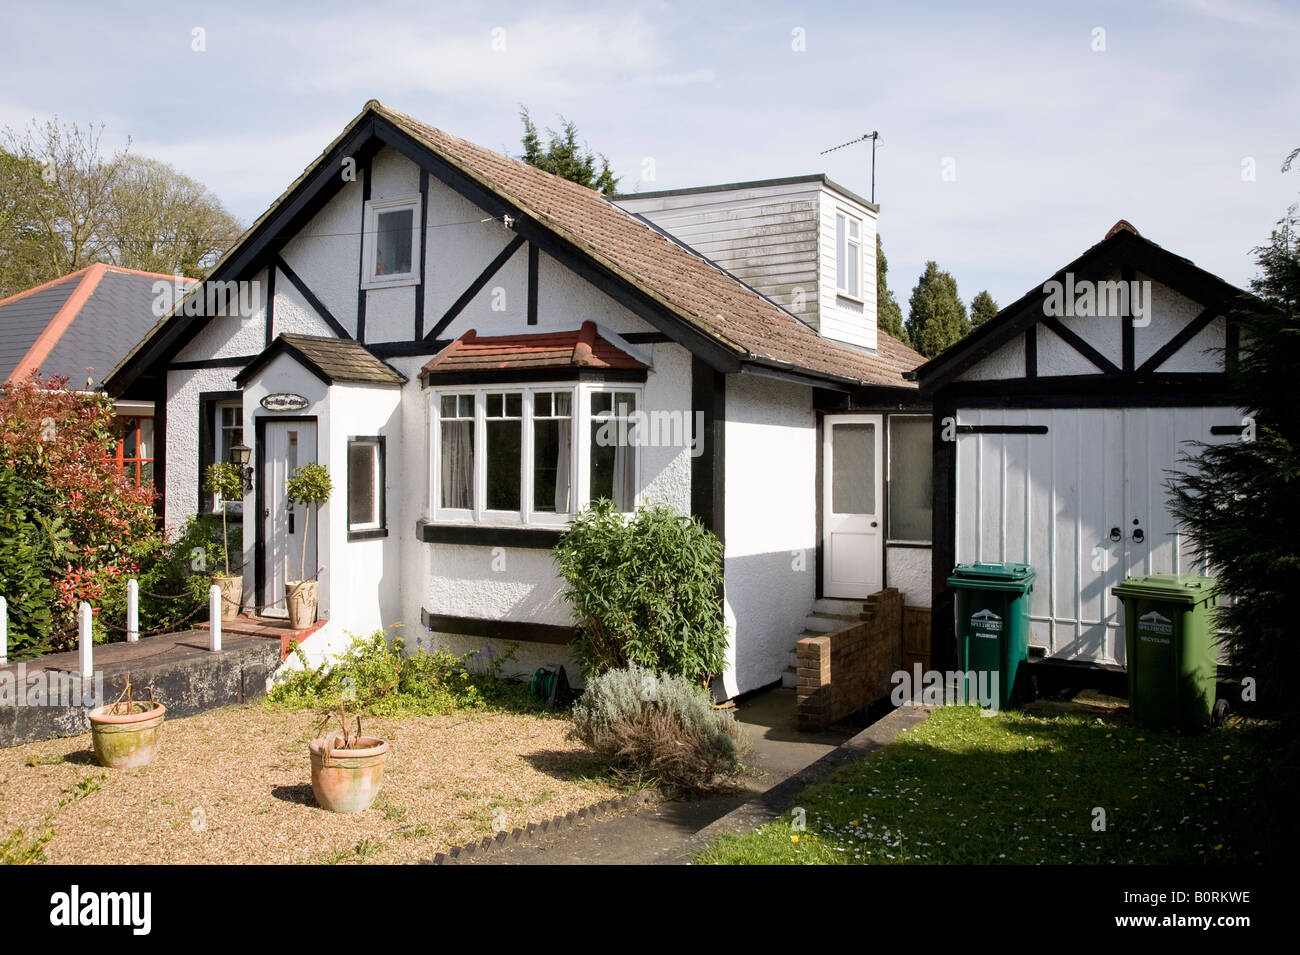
(1116, 534)
(1138, 535)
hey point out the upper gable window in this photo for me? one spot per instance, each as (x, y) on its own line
(392, 243)
(848, 254)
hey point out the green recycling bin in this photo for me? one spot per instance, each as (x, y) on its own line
(993, 624)
(1170, 644)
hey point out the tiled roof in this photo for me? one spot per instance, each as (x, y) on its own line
(336, 359)
(88, 319)
(583, 348)
(716, 303)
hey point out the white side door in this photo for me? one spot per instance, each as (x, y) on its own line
(852, 508)
(289, 445)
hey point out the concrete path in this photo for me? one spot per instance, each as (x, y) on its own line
(666, 832)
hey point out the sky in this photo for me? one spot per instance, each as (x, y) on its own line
(1012, 135)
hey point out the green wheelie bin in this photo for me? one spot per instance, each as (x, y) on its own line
(993, 624)
(1170, 644)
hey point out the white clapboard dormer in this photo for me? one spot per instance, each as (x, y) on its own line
(805, 242)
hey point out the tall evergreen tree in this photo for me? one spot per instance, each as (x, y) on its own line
(982, 308)
(936, 315)
(563, 156)
(1240, 501)
(889, 316)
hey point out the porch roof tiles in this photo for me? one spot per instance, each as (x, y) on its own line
(581, 348)
(331, 359)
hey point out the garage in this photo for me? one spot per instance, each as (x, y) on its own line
(1056, 435)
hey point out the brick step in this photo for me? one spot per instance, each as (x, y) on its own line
(835, 605)
(826, 622)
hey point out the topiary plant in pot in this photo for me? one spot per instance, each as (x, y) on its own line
(310, 485)
(225, 481)
(347, 769)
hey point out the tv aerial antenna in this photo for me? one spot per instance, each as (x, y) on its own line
(874, 136)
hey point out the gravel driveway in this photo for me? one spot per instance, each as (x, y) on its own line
(234, 786)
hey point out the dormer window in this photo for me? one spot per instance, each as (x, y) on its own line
(391, 246)
(848, 255)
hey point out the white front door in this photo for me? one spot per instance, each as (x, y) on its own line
(851, 506)
(288, 446)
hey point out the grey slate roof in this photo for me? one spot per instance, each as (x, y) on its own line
(331, 359)
(117, 315)
(22, 321)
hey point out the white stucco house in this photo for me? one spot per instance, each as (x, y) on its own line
(448, 329)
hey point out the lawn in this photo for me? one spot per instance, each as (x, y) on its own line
(233, 786)
(1024, 789)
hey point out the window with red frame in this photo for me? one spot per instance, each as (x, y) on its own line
(135, 450)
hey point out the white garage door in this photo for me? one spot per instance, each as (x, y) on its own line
(1085, 504)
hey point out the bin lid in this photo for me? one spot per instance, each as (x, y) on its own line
(1177, 588)
(983, 575)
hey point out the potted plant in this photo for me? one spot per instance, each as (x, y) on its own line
(225, 481)
(126, 732)
(310, 485)
(347, 769)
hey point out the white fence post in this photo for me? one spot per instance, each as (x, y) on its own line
(214, 618)
(86, 640)
(4, 631)
(132, 610)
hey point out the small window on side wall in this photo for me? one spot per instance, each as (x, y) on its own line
(366, 503)
(911, 478)
(392, 243)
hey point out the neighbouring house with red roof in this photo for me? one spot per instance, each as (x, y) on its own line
(477, 349)
(79, 327)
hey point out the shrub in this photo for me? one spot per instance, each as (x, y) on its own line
(62, 441)
(658, 726)
(377, 678)
(33, 546)
(1239, 502)
(644, 591)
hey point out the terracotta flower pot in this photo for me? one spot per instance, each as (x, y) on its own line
(347, 780)
(232, 595)
(127, 739)
(300, 598)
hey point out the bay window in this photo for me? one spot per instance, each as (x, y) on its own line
(507, 455)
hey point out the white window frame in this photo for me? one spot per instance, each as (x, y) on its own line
(889, 478)
(579, 456)
(235, 508)
(851, 246)
(377, 444)
(370, 242)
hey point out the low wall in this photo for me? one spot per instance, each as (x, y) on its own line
(184, 676)
(849, 669)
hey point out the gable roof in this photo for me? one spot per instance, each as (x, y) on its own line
(332, 360)
(88, 319)
(1121, 247)
(581, 348)
(720, 314)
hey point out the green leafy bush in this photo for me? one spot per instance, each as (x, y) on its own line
(378, 678)
(661, 727)
(33, 549)
(644, 591)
